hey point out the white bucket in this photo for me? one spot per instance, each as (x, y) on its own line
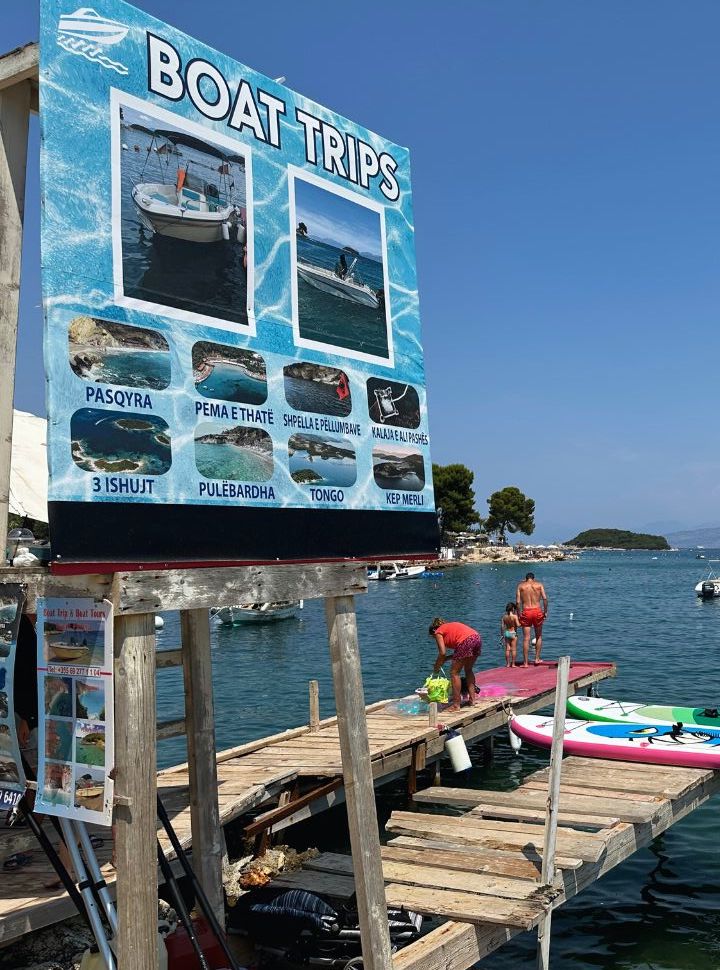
(455, 747)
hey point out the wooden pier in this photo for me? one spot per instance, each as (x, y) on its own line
(289, 776)
(481, 870)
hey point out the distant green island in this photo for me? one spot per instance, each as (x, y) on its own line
(617, 539)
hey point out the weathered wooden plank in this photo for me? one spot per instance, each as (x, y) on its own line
(174, 728)
(325, 883)
(523, 799)
(438, 877)
(643, 799)
(538, 816)
(467, 907)
(152, 590)
(136, 825)
(461, 858)
(493, 835)
(358, 781)
(168, 658)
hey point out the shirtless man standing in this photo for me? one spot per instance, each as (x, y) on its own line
(529, 597)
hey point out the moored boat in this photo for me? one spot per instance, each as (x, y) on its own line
(709, 587)
(396, 569)
(257, 612)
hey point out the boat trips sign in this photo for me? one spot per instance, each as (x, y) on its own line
(232, 331)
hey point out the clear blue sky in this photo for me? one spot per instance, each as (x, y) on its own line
(566, 162)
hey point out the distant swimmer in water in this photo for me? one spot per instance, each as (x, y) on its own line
(529, 596)
(466, 645)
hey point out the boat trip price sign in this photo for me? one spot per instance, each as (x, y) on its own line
(75, 709)
(233, 340)
(12, 775)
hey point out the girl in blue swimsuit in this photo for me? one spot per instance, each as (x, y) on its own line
(509, 625)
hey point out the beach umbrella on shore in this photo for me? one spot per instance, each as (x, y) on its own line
(28, 467)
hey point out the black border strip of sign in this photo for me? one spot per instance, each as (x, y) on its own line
(128, 533)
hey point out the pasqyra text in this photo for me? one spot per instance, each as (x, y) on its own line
(251, 110)
(94, 394)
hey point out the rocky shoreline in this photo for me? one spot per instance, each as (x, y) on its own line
(494, 555)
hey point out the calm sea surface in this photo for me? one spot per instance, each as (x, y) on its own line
(660, 910)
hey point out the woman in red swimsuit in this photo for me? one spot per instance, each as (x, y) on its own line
(466, 645)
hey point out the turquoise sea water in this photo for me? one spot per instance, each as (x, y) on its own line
(229, 382)
(134, 368)
(660, 910)
(231, 462)
(334, 471)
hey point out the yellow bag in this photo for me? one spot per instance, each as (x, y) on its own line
(438, 688)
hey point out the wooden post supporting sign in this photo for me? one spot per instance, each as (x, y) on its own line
(14, 120)
(136, 781)
(207, 836)
(358, 781)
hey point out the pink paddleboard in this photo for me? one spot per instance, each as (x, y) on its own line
(660, 744)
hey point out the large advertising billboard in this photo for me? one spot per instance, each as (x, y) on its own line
(232, 344)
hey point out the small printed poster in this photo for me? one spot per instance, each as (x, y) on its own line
(75, 709)
(12, 776)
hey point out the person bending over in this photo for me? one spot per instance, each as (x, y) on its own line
(465, 644)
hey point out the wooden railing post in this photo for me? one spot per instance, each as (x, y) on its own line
(207, 835)
(547, 875)
(314, 695)
(136, 823)
(14, 121)
(358, 781)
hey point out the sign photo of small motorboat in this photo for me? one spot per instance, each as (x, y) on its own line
(257, 612)
(192, 207)
(67, 651)
(87, 24)
(348, 286)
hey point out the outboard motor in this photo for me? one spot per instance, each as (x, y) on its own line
(707, 590)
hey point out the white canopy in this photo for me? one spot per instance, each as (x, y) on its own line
(29, 467)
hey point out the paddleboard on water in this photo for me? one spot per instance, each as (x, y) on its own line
(607, 709)
(660, 744)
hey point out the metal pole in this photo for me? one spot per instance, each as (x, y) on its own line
(547, 876)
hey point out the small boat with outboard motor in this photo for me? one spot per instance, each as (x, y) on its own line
(709, 587)
(345, 283)
(197, 205)
(395, 569)
(257, 612)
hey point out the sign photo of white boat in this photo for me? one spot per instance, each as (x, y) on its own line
(184, 205)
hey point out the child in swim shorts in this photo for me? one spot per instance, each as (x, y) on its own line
(466, 645)
(509, 627)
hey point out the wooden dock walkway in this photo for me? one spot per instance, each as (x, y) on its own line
(480, 870)
(301, 769)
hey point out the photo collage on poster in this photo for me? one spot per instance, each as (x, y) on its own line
(12, 774)
(75, 705)
(245, 330)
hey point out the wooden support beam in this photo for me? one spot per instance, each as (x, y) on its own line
(136, 825)
(21, 64)
(170, 729)
(200, 721)
(358, 780)
(168, 658)
(314, 698)
(547, 876)
(14, 121)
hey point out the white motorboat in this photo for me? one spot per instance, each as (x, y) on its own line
(87, 24)
(257, 612)
(395, 570)
(192, 207)
(345, 283)
(709, 587)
